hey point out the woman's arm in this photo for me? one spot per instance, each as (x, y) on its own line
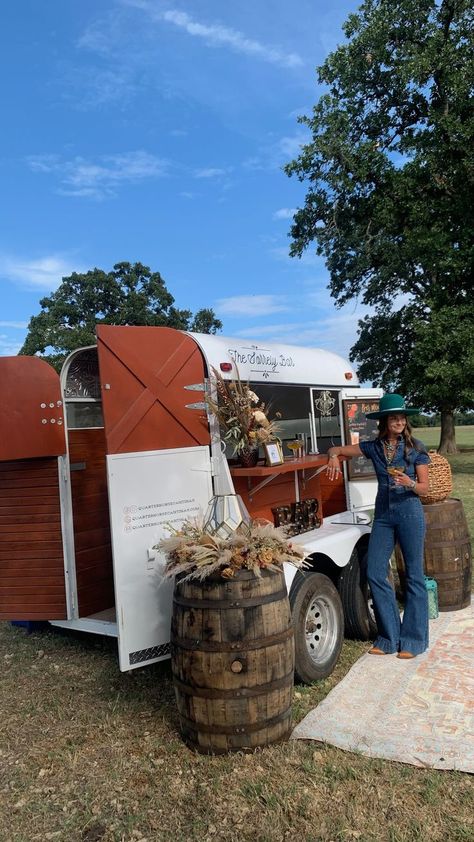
(421, 486)
(334, 467)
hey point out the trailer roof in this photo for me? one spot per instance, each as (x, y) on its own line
(271, 362)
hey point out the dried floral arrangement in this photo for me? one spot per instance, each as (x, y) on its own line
(242, 416)
(255, 546)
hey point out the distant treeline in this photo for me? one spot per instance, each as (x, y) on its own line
(461, 419)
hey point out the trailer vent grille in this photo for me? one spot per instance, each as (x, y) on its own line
(148, 654)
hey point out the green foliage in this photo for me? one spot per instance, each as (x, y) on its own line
(131, 294)
(428, 356)
(390, 173)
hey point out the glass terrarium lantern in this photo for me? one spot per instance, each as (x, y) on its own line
(224, 514)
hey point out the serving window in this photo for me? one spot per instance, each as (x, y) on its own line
(293, 403)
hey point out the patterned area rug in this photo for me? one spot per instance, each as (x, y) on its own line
(419, 711)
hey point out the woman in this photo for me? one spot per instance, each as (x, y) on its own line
(398, 517)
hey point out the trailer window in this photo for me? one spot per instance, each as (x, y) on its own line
(82, 414)
(327, 420)
(294, 405)
(82, 394)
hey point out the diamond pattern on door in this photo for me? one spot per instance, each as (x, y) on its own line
(144, 371)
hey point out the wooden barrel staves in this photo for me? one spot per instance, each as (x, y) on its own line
(448, 556)
(232, 656)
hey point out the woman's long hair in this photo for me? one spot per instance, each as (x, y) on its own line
(410, 442)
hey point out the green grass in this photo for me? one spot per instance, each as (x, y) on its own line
(89, 754)
(430, 436)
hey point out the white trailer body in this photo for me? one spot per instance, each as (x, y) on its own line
(136, 404)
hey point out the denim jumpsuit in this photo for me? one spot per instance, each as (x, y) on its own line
(398, 517)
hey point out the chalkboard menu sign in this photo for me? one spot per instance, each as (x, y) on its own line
(357, 428)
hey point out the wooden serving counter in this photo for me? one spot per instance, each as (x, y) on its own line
(292, 481)
(310, 461)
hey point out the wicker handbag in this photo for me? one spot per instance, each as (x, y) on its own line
(439, 478)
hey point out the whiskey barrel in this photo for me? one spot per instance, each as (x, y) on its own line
(447, 555)
(232, 657)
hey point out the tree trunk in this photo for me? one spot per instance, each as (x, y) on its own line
(447, 442)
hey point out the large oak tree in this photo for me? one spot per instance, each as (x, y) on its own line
(389, 203)
(131, 294)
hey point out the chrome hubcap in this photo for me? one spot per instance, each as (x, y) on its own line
(320, 629)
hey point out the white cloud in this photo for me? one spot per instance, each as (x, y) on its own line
(279, 153)
(210, 172)
(289, 147)
(322, 325)
(97, 36)
(14, 325)
(251, 305)
(43, 273)
(216, 35)
(284, 213)
(94, 87)
(334, 333)
(8, 348)
(99, 180)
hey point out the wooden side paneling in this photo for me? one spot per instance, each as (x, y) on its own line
(333, 495)
(281, 491)
(31, 552)
(90, 506)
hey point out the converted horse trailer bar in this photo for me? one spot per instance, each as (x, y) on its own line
(96, 463)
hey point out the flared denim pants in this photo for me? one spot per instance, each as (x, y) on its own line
(399, 518)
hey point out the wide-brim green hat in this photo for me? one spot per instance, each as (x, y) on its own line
(390, 404)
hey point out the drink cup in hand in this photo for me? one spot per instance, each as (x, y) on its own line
(394, 472)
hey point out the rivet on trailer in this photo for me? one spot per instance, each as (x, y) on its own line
(95, 463)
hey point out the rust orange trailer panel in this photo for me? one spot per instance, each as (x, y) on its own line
(31, 550)
(31, 438)
(31, 410)
(143, 373)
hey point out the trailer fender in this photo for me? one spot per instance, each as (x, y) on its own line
(335, 539)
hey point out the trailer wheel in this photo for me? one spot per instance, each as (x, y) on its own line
(318, 621)
(359, 617)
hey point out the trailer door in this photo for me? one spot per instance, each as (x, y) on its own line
(158, 470)
(145, 377)
(32, 570)
(147, 492)
(359, 474)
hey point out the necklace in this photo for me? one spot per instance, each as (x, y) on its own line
(390, 449)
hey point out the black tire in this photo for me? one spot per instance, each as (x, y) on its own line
(318, 622)
(359, 618)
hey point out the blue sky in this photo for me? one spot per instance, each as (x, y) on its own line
(154, 131)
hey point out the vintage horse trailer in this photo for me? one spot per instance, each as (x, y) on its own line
(95, 463)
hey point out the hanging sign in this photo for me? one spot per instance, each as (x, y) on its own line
(357, 428)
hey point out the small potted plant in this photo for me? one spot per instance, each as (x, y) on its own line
(242, 418)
